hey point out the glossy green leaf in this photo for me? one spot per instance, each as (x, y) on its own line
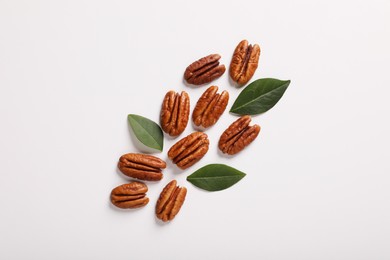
(147, 132)
(259, 96)
(215, 177)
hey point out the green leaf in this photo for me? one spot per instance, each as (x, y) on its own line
(147, 132)
(259, 96)
(215, 177)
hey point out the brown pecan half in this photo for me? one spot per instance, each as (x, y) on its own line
(189, 150)
(204, 70)
(170, 201)
(210, 107)
(244, 62)
(141, 166)
(130, 195)
(175, 112)
(238, 135)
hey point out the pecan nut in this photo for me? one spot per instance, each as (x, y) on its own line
(170, 201)
(175, 112)
(210, 107)
(189, 150)
(141, 166)
(244, 62)
(204, 70)
(238, 135)
(130, 195)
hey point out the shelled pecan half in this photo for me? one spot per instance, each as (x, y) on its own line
(189, 150)
(130, 195)
(244, 62)
(175, 112)
(170, 201)
(204, 70)
(238, 135)
(141, 166)
(210, 107)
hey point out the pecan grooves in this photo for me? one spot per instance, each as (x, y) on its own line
(170, 201)
(210, 107)
(141, 166)
(189, 150)
(238, 135)
(204, 70)
(244, 62)
(130, 195)
(175, 112)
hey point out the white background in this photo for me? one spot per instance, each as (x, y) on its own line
(317, 184)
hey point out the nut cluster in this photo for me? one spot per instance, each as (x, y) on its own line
(174, 117)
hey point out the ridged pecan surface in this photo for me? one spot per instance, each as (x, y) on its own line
(175, 112)
(210, 107)
(244, 62)
(170, 201)
(189, 150)
(238, 135)
(204, 70)
(141, 166)
(130, 195)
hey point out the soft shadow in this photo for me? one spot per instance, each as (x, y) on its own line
(198, 128)
(159, 222)
(203, 190)
(170, 138)
(252, 116)
(173, 168)
(224, 155)
(233, 83)
(120, 174)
